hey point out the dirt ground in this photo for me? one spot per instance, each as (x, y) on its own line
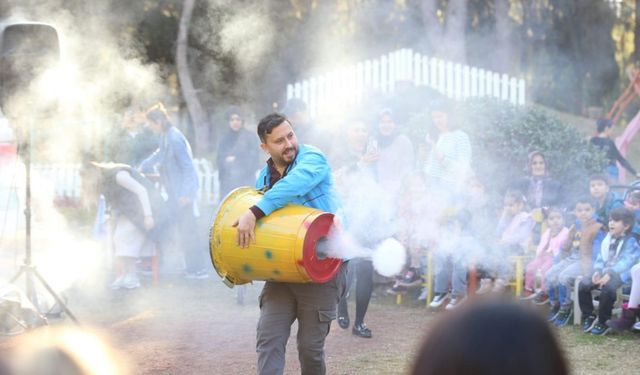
(196, 327)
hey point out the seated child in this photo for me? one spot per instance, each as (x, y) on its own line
(551, 243)
(605, 200)
(575, 260)
(514, 235)
(618, 252)
(450, 265)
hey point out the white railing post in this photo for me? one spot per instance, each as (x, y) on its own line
(457, 82)
(384, 74)
(313, 97)
(474, 82)
(496, 85)
(417, 69)
(513, 91)
(425, 71)
(505, 87)
(289, 91)
(450, 80)
(521, 92)
(376, 75)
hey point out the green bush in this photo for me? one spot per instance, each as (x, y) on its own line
(502, 135)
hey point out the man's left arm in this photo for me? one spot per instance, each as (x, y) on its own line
(311, 169)
(307, 174)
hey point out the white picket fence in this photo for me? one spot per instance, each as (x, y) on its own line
(65, 181)
(341, 89)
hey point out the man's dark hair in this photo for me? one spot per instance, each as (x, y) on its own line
(268, 123)
(599, 177)
(623, 214)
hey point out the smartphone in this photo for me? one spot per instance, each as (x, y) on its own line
(372, 146)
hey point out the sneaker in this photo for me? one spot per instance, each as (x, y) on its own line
(198, 275)
(343, 322)
(131, 281)
(423, 295)
(554, 310)
(541, 299)
(485, 286)
(600, 329)
(529, 295)
(454, 302)
(410, 276)
(564, 316)
(438, 300)
(499, 286)
(397, 289)
(117, 284)
(636, 327)
(588, 322)
(361, 330)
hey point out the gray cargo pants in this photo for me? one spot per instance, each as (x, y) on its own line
(313, 305)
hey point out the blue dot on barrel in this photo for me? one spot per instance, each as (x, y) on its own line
(276, 272)
(268, 254)
(246, 268)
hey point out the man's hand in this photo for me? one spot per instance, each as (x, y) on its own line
(246, 225)
(595, 279)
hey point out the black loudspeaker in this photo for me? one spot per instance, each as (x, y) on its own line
(27, 49)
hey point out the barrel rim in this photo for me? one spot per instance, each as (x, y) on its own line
(230, 282)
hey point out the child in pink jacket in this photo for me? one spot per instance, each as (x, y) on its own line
(551, 242)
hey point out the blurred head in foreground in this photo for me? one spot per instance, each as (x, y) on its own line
(49, 351)
(490, 338)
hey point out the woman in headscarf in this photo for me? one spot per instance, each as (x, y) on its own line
(237, 158)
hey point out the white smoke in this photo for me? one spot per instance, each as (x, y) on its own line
(389, 257)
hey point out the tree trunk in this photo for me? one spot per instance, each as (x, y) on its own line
(455, 31)
(189, 93)
(433, 43)
(503, 58)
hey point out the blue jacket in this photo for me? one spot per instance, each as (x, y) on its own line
(626, 256)
(611, 201)
(308, 182)
(173, 158)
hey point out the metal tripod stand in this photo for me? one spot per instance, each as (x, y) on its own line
(27, 268)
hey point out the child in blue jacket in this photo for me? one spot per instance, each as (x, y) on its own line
(618, 253)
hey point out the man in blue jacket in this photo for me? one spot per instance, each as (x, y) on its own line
(297, 174)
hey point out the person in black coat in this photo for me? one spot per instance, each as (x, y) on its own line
(604, 142)
(237, 158)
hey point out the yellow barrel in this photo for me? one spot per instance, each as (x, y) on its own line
(285, 248)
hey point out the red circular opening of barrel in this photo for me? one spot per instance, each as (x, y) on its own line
(319, 267)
